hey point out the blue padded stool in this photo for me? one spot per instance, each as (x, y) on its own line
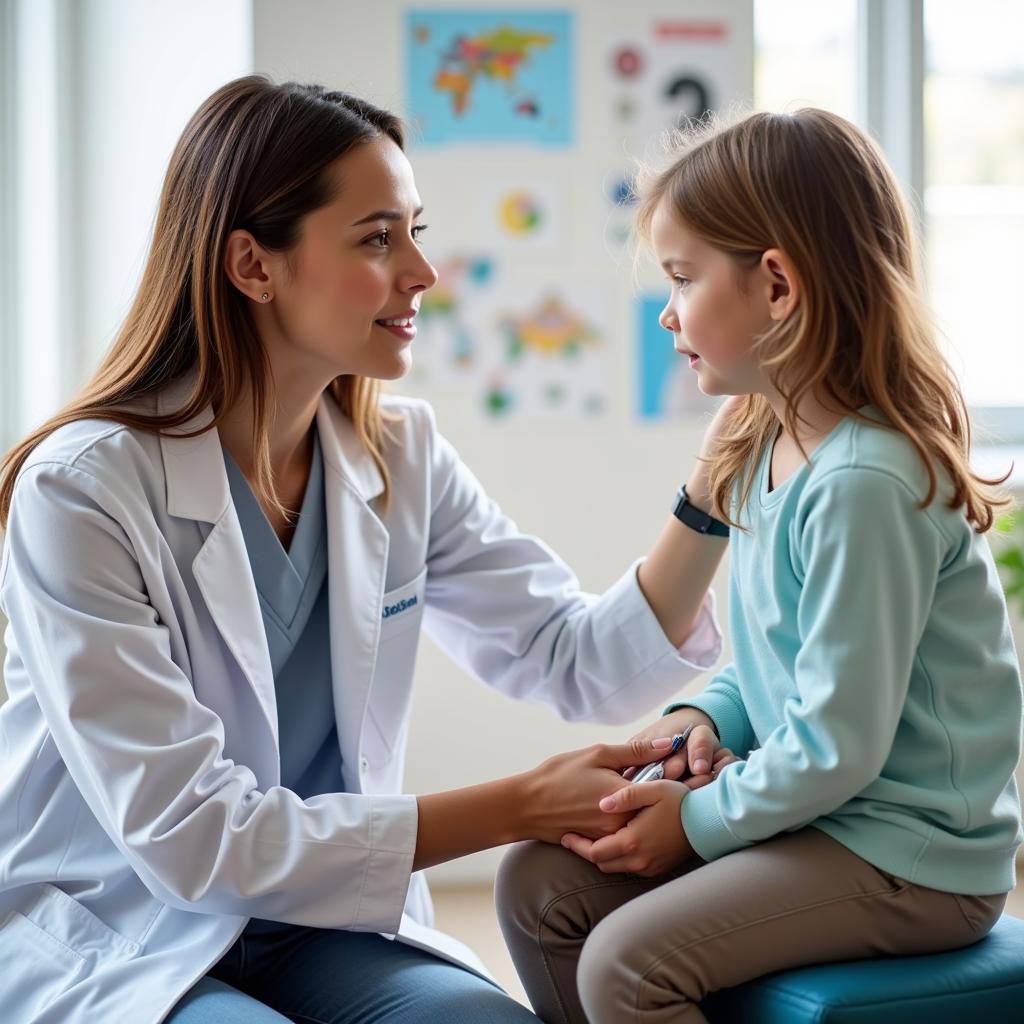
(984, 983)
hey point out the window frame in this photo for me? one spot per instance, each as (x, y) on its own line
(39, 193)
(891, 72)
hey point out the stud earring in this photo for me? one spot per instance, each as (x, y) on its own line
(264, 296)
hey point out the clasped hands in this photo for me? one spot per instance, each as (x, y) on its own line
(643, 832)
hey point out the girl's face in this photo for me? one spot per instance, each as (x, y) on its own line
(715, 310)
(346, 297)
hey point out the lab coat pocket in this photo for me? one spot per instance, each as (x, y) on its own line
(37, 966)
(401, 616)
(67, 920)
(402, 608)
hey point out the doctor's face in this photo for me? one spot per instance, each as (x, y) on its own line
(346, 296)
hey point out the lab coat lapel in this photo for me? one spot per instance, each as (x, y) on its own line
(224, 577)
(197, 488)
(357, 553)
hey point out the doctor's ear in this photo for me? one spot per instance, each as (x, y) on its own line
(248, 266)
(780, 282)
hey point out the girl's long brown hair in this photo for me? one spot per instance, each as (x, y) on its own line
(256, 155)
(816, 187)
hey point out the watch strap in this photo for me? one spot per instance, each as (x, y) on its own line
(691, 516)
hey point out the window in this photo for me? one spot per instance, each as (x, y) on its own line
(805, 54)
(90, 107)
(863, 59)
(974, 197)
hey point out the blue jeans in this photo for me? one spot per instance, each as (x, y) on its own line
(320, 976)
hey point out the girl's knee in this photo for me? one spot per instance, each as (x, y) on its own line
(620, 975)
(606, 976)
(531, 877)
(520, 860)
(515, 885)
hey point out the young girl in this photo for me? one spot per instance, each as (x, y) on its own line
(201, 755)
(875, 698)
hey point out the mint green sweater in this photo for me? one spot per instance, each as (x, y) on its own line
(875, 691)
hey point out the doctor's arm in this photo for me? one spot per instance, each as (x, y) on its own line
(676, 574)
(149, 757)
(536, 804)
(504, 605)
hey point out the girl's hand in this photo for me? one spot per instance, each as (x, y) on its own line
(722, 757)
(651, 843)
(562, 794)
(697, 757)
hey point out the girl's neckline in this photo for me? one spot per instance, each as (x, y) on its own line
(768, 498)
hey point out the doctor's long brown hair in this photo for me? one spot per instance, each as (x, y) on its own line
(816, 187)
(255, 156)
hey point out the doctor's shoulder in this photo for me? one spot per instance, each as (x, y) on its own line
(410, 427)
(121, 461)
(408, 420)
(418, 453)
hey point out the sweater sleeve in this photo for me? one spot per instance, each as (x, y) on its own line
(722, 702)
(870, 559)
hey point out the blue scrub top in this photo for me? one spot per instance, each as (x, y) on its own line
(292, 589)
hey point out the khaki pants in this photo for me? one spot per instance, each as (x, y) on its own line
(620, 949)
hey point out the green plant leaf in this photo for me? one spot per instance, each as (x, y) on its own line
(1012, 559)
(1006, 522)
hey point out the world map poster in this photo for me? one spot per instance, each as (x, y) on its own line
(518, 346)
(489, 77)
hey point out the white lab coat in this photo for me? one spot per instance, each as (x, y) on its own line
(142, 822)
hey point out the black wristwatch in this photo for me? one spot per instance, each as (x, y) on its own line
(692, 517)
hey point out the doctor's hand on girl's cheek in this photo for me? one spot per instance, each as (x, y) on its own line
(650, 843)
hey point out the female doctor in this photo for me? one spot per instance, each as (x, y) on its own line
(217, 563)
